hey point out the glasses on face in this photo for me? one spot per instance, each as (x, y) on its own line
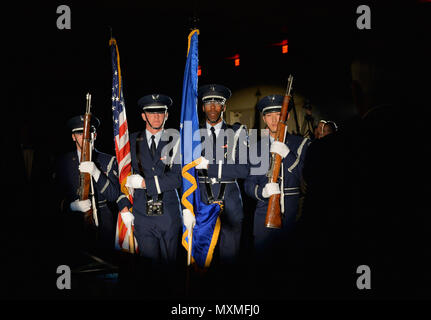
(215, 103)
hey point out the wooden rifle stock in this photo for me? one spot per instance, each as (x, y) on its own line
(85, 178)
(273, 213)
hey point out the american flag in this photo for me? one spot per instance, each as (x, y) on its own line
(122, 145)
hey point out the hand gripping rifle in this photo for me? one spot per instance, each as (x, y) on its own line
(273, 214)
(85, 180)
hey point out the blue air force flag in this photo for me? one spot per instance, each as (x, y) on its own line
(207, 228)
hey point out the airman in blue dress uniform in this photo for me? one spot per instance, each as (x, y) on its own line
(224, 145)
(104, 171)
(268, 241)
(156, 206)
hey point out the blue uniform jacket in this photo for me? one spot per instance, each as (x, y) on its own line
(107, 188)
(159, 178)
(228, 170)
(292, 168)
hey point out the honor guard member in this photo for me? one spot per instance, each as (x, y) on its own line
(269, 241)
(156, 205)
(221, 167)
(104, 172)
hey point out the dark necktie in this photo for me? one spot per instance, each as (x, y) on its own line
(214, 141)
(153, 146)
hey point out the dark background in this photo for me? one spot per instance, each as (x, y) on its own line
(49, 71)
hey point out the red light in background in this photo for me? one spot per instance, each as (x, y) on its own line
(283, 45)
(199, 71)
(235, 58)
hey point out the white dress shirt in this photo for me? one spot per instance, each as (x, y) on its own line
(217, 128)
(157, 137)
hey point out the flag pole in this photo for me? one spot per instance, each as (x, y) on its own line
(189, 250)
(114, 46)
(131, 241)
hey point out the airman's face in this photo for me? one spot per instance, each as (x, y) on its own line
(156, 119)
(271, 120)
(77, 137)
(320, 130)
(326, 130)
(213, 110)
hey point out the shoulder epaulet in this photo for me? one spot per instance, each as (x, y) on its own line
(139, 136)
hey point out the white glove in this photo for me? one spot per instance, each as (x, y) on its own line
(270, 189)
(82, 206)
(203, 164)
(279, 148)
(134, 181)
(128, 218)
(189, 219)
(90, 167)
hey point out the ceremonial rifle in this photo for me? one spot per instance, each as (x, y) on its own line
(273, 213)
(85, 178)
